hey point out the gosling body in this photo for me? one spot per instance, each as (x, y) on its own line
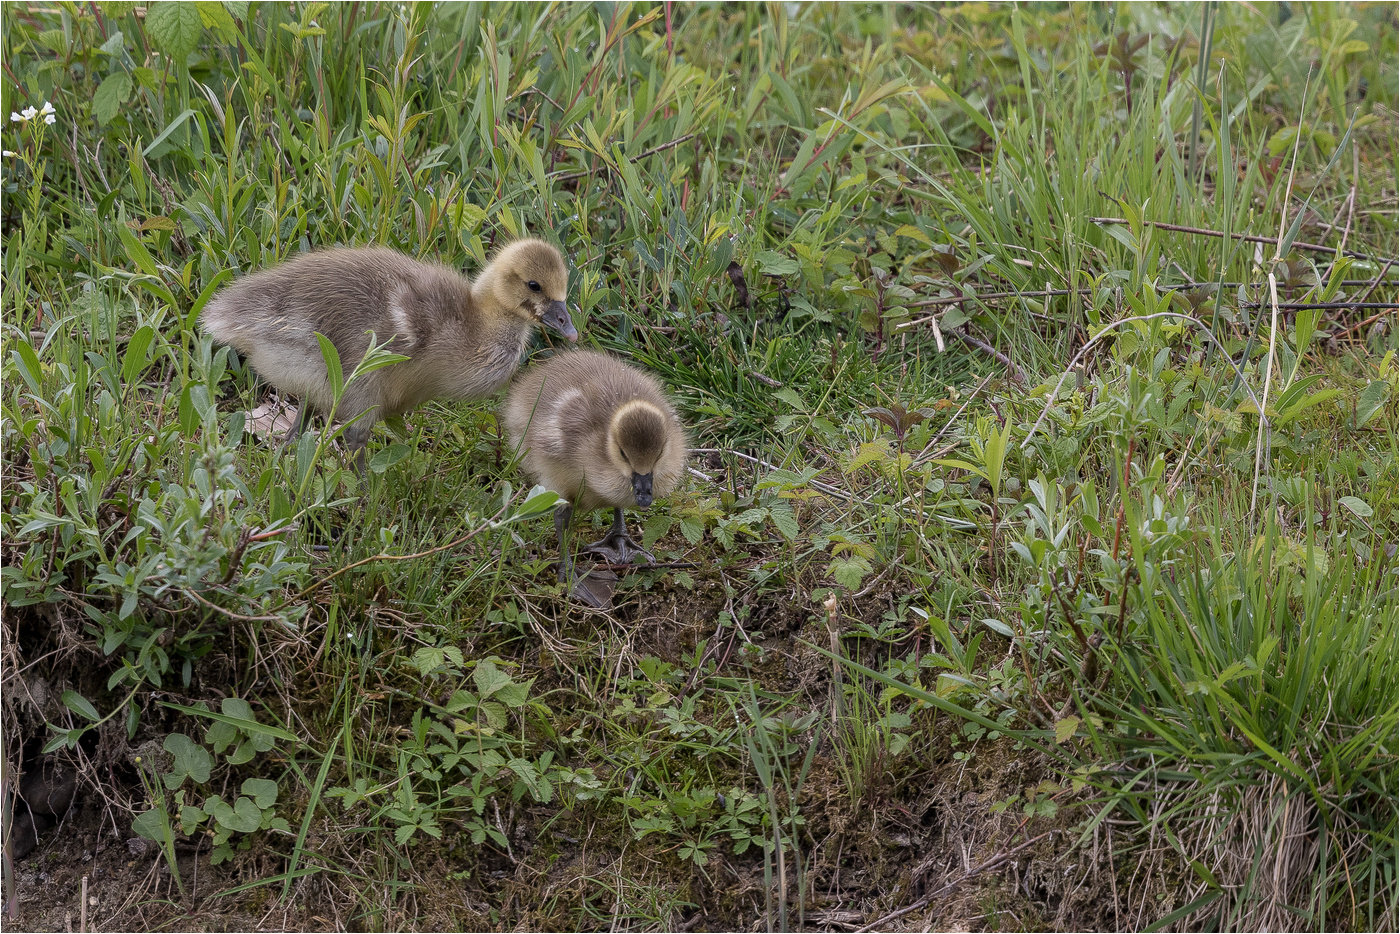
(599, 433)
(464, 339)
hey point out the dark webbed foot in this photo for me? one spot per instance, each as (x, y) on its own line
(595, 588)
(617, 546)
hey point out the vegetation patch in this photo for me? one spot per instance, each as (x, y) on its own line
(1036, 563)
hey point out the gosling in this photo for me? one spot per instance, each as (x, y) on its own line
(599, 433)
(464, 339)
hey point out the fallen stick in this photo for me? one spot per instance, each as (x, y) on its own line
(1251, 238)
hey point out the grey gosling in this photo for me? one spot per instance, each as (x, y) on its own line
(599, 433)
(464, 339)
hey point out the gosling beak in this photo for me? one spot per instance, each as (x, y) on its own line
(641, 488)
(555, 316)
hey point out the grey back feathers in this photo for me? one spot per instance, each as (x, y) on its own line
(586, 423)
(463, 340)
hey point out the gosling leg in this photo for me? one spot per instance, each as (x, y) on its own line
(617, 546)
(581, 588)
(303, 419)
(563, 514)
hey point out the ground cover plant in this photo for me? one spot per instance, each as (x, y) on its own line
(1037, 563)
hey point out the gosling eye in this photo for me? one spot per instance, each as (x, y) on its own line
(534, 286)
(623, 454)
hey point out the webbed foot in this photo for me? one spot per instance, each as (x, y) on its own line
(617, 546)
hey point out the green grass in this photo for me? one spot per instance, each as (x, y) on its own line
(922, 597)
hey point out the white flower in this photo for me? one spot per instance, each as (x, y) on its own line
(7, 154)
(50, 119)
(47, 108)
(15, 118)
(29, 113)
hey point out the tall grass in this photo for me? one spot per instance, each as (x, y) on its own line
(764, 204)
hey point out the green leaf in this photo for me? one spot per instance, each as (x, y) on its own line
(1370, 402)
(997, 626)
(537, 501)
(138, 353)
(246, 724)
(80, 705)
(1064, 729)
(243, 817)
(263, 791)
(489, 679)
(1356, 506)
(149, 824)
(188, 759)
(785, 519)
(385, 458)
(334, 373)
(849, 570)
(775, 264)
(175, 27)
(513, 694)
(137, 252)
(28, 363)
(107, 100)
(174, 125)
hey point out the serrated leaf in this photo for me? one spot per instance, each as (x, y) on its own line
(494, 713)
(776, 264)
(427, 658)
(693, 529)
(913, 233)
(1064, 729)
(785, 520)
(849, 571)
(175, 27)
(489, 679)
(111, 94)
(514, 695)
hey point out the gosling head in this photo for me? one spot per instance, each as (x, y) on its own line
(528, 278)
(636, 441)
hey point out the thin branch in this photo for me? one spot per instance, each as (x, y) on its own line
(1018, 374)
(572, 176)
(1302, 305)
(1051, 293)
(232, 615)
(1252, 238)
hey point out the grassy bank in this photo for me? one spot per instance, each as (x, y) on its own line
(991, 599)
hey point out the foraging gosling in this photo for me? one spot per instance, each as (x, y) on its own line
(464, 339)
(599, 433)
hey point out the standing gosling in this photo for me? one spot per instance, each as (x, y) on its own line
(599, 433)
(463, 339)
